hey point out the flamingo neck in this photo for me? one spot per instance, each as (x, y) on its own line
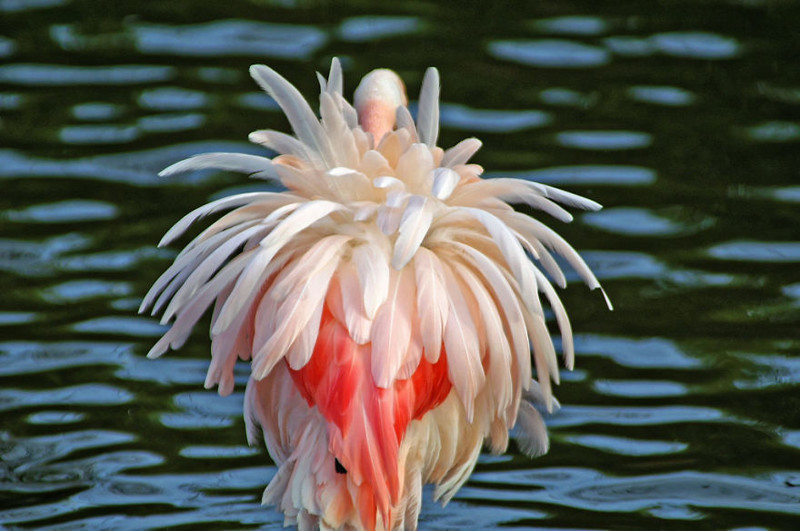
(376, 100)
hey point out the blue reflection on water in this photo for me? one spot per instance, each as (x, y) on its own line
(550, 53)
(369, 28)
(493, 121)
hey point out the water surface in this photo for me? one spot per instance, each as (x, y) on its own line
(683, 118)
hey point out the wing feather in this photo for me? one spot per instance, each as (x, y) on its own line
(294, 106)
(462, 346)
(391, 330)
(373, 274)
(252, 165)
(247, 284)
(414, 225)
(461, 152)
(432, 302)
(498, 348)
(428, 113)
(292, 315)
(209, 208)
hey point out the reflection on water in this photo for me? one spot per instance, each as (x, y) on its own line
(681, 412)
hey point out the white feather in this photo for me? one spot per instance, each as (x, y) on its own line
(445, 181)
(414, 225)
(300, 116)
(335, 79)
(428, 113)
(220, 204)
(415, 168)
(406, 122)
(391, 329)
(281, 143)
(171, 279)
(499, 350)
(191, 312)
(320, 253)
(512, 252)
(567, 345)
(252, 165)
(373, 273)
(247, 284)
(388, 219)
(203, 271)
(510, 305)
(433, 306)
(354, 315)
(293, 314)
(533, 229)
(544, 355)
(345, 151)
(461, 345)
(461, 152)
(531, 431)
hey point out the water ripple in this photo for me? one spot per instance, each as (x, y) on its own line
(28, 357)
(122, 326)
(204, 410)
(604, 140)
(583, 175)
(773, 131)
(217, 452)
(662, 95)
(98, 134)
(625, 446)
(107, 261)
(650, 353)
(550, 53)
(212, 39)
(17, 318)
(696, 45)
(10, 101)
(55, 418)
(172, 99)
(371, 28)
(769, 371)
(77, 395)
(639, 388)
(165, 371)
(751, 251)
(170, 123)
(26, 454)
(231, 37)
(583, 25)
(672, 492)
(71, 210)
(58, 75)
(96, 111)
(572, 416)
(619, 264)
(80, 290)
(629, 46)
(633, 222)
(30, 258)
(12, 6)
(492, 121)
(138, 168)
(565, 97)
(7, 47)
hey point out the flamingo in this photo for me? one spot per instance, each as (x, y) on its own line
(388, 301)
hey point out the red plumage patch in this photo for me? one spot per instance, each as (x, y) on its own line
(366, 423)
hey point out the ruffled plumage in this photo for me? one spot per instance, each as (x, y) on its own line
(399, 254)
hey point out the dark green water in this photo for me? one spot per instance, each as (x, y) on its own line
(683, 118)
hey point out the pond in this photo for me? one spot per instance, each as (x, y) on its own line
(681, 117)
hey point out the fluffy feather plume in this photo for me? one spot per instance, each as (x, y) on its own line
(389, 301)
